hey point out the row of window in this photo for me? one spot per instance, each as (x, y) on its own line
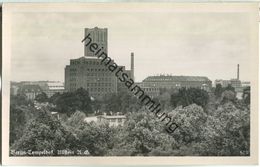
(115, 120)
(86, 62)
(95, 80)
(93, 74)
(91, 90)
(99, 89)
(150, 89)
(96, 84)
(98, 36)
(89, 69)
(99, 84)
(73, 79)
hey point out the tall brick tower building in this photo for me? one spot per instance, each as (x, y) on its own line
(89, 73)
(99, 36)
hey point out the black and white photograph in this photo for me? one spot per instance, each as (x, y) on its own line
(131, 80)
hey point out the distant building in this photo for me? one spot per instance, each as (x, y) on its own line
(236, 83)
(99, 36)
(150, 90)
(245, 84)
(54, 87)
(112, 120)
(223, 83)
(175, 82)
(121, 85)
(48, 87)
(91, 119)
(89, 73)
(30, 91)
(42, 84)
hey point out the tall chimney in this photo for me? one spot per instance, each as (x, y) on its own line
(132, 65)
(238, 72)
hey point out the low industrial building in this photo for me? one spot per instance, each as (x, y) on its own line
(54, 87)
(153, 84)
(112, 120)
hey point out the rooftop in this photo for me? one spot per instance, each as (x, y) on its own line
(112, 116)
(175, 78)
(31, 88)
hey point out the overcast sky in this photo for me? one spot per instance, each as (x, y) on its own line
(179, 43)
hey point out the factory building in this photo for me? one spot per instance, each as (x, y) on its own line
(48, 87)
(90, 73)
(153, 84)
(53, 87)
(235, 83)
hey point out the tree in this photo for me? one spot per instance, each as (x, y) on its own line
(246, 95)
(227, 132)
(75, 123)
(19, 100)
(192, 121)
(45, 132)
(111, 102)
(230, 88)
(122, 102)
(21, 111)
(98, 139)
(142, 135)
(164, 99)
(53, 99)
(70, 102)
(228, 96)
(185, 97)
(17, 123)
(218, 90)
(42, 97)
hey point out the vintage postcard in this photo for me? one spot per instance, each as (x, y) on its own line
(130, 83)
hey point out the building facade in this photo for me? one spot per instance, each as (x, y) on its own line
(223, 83)
(99, 36)
(54, 87)
(236, 83)
(89, 73)
(112, 120)
(155, 83)
(149, 89)
(245, 84)
(48, 87)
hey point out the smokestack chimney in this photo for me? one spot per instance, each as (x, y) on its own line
(238, 72)
(132, 65)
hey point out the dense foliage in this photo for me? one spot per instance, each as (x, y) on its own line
(210, 124)
(69, 102)
(45, 132)
(187, 96)
(42, 97)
